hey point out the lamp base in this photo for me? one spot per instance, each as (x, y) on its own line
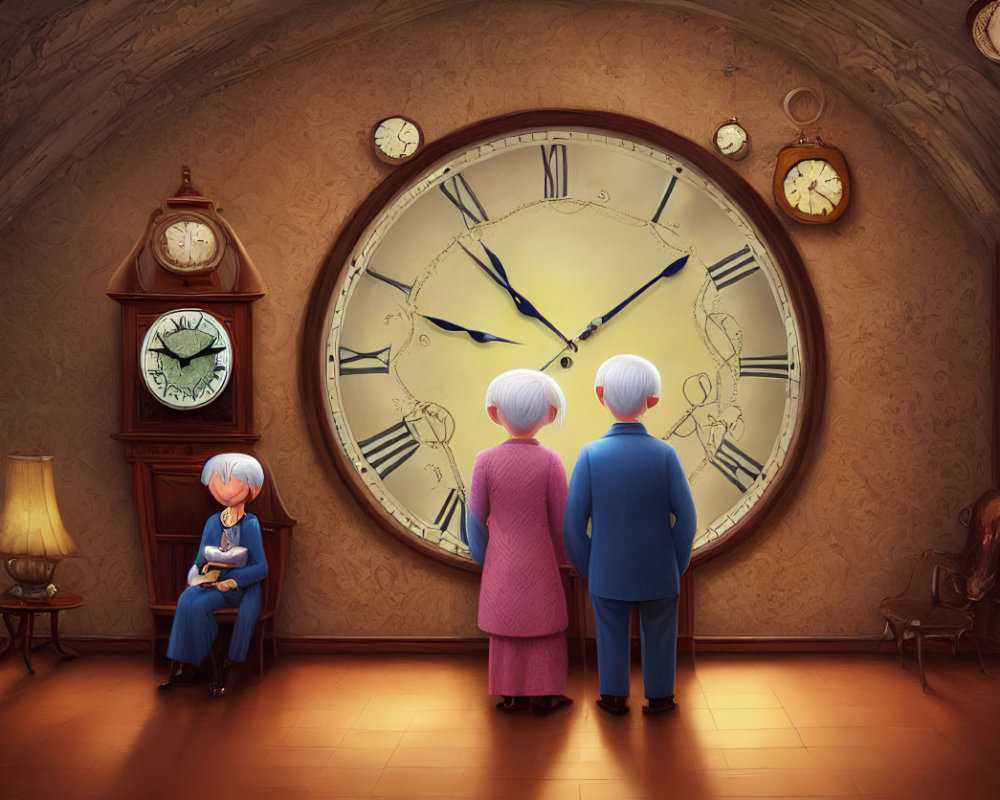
(34, 578)
(33, 591)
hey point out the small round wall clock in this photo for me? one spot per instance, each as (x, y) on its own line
(186, 358)
(396, 139)
(731, 140)
(553, 240)
(811, 182)
(187, 243)
(983, 19)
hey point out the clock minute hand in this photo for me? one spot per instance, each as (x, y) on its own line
(478, 336)
(499, 275)
(673, 269)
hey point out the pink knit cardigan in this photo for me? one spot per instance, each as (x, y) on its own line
(519, 489)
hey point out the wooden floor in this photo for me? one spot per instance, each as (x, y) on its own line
(759, 726)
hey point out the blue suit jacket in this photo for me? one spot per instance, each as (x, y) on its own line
(626, 485)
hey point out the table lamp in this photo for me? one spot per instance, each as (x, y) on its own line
(31, 529)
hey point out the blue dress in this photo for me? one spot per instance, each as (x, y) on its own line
(194, 629)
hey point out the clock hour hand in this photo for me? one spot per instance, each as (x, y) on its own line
(673, 269)
(499, 275)
(208, 350)
(478, 336)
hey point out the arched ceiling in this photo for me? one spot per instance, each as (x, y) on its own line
(72, 73)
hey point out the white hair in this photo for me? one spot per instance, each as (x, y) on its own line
(523, 396)
(233, 465)
(627, 380)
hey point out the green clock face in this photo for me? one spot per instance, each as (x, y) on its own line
(186, 358)
(555, 248)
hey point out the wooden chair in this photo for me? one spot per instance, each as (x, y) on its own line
(935, 605)
(171, 541)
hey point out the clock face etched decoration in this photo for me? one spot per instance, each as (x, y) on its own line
(185, 358)
(187, 243)
(554, 240)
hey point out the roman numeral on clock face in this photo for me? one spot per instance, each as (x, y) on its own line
(453, 503)
(736, 466)
(460, 194)
(666, 197)
(354, 363)
(765, 367)
(734, 267)
(405, 288)
(556, 179)
(389, 449)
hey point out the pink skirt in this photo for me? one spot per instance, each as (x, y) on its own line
(528, 667)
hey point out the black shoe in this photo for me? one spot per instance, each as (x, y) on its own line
(513, 705)
(614, 704)
(547, 703)
(180, 673)
(658, 705)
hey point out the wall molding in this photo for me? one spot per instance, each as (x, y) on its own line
(431, 645)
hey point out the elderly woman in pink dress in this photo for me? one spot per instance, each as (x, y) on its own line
(517, 500)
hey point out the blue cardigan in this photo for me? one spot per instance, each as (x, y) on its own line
(625, 486)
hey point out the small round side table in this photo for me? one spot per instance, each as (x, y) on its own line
(11, 607)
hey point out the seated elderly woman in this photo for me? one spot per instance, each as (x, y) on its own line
(227, 573)
(515, 520)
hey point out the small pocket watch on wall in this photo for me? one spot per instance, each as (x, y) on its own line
(731, 140)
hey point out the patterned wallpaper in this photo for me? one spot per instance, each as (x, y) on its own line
(902, 280)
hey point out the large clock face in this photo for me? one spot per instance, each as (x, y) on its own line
(519, 250)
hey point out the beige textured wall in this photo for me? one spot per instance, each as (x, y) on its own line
(902, 281)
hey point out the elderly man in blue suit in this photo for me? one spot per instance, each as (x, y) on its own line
(631, 491)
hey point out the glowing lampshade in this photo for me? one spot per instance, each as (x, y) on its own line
(31, 528)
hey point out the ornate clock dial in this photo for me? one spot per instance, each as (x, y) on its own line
(187, 244)
(396, 139)
(185, 358)
(537, 241)
(731, 140)
(813, 186)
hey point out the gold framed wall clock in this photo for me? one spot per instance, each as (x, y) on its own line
(553, 240)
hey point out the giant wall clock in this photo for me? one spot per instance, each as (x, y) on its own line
(554, 240)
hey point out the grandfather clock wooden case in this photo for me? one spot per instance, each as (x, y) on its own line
(189, 259)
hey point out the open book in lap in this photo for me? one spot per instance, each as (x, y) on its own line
(217, 560)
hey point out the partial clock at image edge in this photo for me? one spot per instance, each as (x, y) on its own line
(352, 238)
(983, 20)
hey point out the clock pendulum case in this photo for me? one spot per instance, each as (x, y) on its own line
(553, 240)
(186, 293)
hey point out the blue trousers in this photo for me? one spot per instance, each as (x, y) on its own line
(194, 629)
(658, 634)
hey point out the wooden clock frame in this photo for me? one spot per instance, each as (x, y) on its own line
(167, 447)
(313, 381)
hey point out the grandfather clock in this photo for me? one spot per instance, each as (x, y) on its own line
(186, 292)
